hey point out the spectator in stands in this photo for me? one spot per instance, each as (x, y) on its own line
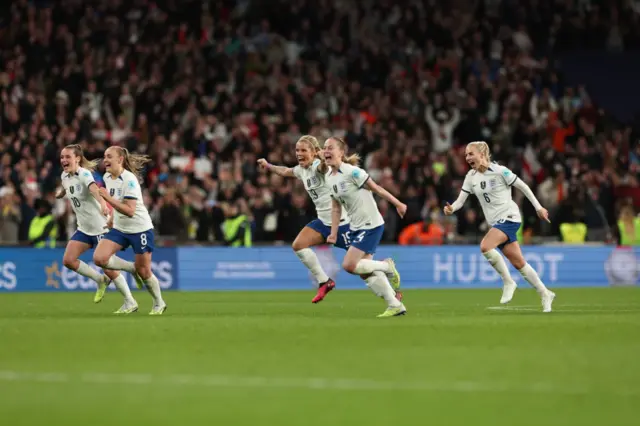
(236, 226)
(628, 227)
(169, 220)
(206, 87)
(573, 230)
(43, 229)
(428, 232)
(10, 215)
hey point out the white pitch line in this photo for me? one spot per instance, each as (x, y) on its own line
(561, 309)
(216, 381)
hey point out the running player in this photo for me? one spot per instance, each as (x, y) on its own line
(352, 188)
(131, 224)
(311, 170)
(91, 214)
(491, 184)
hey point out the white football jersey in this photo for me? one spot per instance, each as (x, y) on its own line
(126, 186)
(347, 188)
(493, 189)
(85, 206)
(320, 193)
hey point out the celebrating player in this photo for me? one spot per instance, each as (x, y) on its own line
(352, 188)
(131, 223)
(91, 212)
(311, 170)
(492, 183)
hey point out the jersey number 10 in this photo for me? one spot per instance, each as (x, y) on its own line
(75, 202)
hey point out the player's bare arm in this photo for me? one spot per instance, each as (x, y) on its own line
(126, 207)
(377, 189)
(279, 170)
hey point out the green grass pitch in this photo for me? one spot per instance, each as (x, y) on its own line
(273, 358)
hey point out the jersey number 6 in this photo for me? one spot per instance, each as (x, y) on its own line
(486, 197)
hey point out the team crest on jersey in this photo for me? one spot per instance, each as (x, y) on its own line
(483, 185)
(312, 182)
(493, 183)
(343, 186)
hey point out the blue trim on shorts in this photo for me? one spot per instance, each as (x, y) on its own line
(367, 240)
(325, 230)
(91, 240)
(510, 229)
(141, 242)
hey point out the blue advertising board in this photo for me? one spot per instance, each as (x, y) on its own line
(420, 267)
(28, 269)
(277, 268)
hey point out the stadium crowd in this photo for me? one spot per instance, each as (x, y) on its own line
(205, 88)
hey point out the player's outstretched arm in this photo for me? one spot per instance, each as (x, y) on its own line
(61, 193)
(377, 189)
(279, 170)
(541, 211)
(336, 214)
(450, 209)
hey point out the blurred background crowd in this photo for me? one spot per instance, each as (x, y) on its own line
(205, 88)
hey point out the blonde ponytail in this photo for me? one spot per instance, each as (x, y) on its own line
(353, 159)
(133, 162)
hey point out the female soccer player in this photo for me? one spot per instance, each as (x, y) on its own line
(132, 224)
(91, 212)
(311, 170)
(352, 188)
(492, 183)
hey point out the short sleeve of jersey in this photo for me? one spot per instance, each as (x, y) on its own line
(507, 175)
(131, 189)
(359, 176)
(86, 177)
(296, 172)
(466, 185)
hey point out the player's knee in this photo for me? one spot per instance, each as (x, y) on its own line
(299, 245)
(349, 266)
(144, 271)
(365, 276)
(485, 246)
(70, 262)
(111, 274)
(100, 259)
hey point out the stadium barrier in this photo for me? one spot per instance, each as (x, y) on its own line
(277, 268)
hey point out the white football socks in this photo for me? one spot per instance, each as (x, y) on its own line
(498, 263)
(309, 259)
(123, 288)
(153, 287)
(368, 266)
(119, 264)
(379, 284)
(532, 277)
(87, 271)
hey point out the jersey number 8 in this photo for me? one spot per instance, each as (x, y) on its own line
(143, 240)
